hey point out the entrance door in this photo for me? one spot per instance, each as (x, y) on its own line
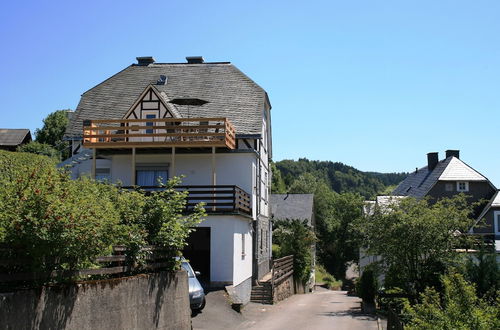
(198, 252)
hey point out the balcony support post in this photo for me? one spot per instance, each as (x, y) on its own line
(132, 177)
(214, 174)
(94, 156)
(214, 178)
(173, 162)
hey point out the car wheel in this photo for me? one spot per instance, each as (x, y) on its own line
(202, 304)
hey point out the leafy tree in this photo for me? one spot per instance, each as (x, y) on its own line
(483, 271)
(457, 308)
(55, 223)
(52, 132)
(339, 177)
(296, 238)
(338, 236)
(40, 149)
(416, 240)
(304, 184)
(278, 186)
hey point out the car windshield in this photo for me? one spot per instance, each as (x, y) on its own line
(188, 269)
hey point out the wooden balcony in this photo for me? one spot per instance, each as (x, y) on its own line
(158, 133)
(217, 199)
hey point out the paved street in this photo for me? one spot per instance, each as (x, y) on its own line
(323, 309)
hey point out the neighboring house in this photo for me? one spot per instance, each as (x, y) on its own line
(11, 138)
(488, 222)
(447, 178)
(206, 121)
(296, 207)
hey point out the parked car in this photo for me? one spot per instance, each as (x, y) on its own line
(196, 292)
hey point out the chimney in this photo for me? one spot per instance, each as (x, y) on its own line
(455, 153)
(432, 160)
(145, 60)
(195, 59)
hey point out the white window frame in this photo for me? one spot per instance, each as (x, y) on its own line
(466, 183)
(496, 222)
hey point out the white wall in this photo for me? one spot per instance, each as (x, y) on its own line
(226, 263)
(242, 268)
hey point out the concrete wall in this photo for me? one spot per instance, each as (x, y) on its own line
(152, 301)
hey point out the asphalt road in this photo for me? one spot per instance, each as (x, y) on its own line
(323, 309)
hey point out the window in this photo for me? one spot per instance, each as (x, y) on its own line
(150, 175)
(462, 186)
(448, 187)
(261, 240)
(103, 174)
(496, 220)
(150, 123)
(243, 254)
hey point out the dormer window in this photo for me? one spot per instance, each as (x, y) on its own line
(462, 186)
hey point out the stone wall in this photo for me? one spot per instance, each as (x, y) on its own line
(146, 301)
(284, 290)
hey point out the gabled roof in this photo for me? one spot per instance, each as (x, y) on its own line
(459, 171)
(292, 206)
(11, 137)
(229, 92)
(494, 202)
(420, 182)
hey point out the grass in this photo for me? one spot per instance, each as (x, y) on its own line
(327, 279)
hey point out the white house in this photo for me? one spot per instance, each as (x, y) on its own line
(206, 121)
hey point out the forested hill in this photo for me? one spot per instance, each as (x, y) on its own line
(339, 177)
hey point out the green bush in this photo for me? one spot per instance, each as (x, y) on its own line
(367, 286)
(52, 222)
(40, 149)
(294, 237)
(46, 217)
(457, 307)
(323, 277)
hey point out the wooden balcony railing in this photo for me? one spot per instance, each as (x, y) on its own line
(153, 133)
(218, 199)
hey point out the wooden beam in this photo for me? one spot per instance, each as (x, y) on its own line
(94, 156)
(214, 172)
(133, 179)
(173, 161)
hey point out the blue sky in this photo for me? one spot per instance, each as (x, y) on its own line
(373, 84)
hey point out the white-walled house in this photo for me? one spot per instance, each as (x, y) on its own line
(206, 121)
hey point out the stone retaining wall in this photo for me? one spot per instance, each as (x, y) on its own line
(146, 301)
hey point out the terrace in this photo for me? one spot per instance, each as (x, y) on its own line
(158, 133)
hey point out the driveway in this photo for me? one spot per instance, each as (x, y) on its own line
(323, 309)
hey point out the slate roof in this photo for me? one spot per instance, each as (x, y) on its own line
(493, 203)
(229, 92)
(459, 171)
(420, 182)
(11, 137)
(292, 206)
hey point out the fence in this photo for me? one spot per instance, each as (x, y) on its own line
(282, 283)
(117, 263)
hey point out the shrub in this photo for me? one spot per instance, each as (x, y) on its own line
(367, 286)
(46, 217)
(457, 307)
(294, 237)
(52, 222)
(40, 149)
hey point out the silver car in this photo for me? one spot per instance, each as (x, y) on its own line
(196, 293)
